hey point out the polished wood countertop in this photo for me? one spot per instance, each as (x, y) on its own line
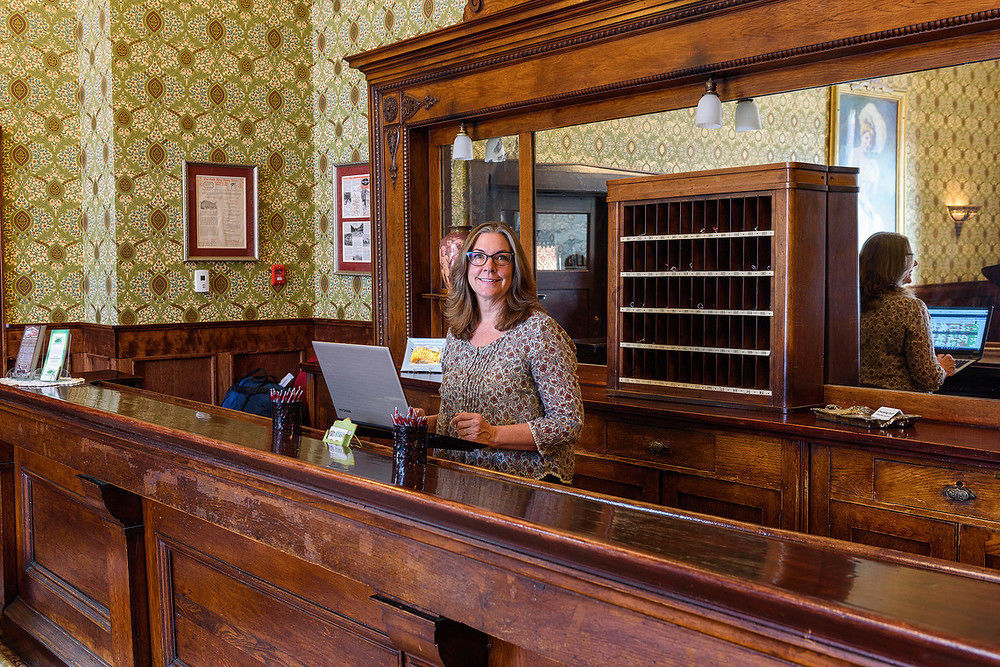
(926, 436)
(883, 603)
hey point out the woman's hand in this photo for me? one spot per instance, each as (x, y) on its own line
(472, 426)
(947, 363)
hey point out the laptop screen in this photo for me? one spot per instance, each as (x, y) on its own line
(363, 382)
(959, 330)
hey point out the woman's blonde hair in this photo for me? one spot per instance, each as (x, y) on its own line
(462, 310)
(883, 263)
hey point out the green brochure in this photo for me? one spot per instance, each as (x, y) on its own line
(55, 356)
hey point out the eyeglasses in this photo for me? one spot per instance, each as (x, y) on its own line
(500, 258)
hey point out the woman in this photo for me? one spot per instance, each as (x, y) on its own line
(509, 371)
(896, 347)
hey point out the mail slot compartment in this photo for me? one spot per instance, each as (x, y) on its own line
(962, 491)
(670, 445)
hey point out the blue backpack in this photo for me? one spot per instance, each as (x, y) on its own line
(252, 393)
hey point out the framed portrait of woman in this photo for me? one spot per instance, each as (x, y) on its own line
(866, 131)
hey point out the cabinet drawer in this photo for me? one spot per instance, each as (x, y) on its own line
(674, 446)
(951, 490)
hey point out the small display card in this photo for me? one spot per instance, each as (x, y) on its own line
(886, 413)
(55, 356)
(340, 433)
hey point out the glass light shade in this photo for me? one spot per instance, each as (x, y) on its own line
(963, 212)
(747, 115)
(462, 148)
(708, 115)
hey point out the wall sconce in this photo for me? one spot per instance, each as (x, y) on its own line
(959, 214)
(747, 115)
(462, 148)
(709, 112)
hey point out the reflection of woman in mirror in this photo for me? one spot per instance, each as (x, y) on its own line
(866, 137)
(896, 347)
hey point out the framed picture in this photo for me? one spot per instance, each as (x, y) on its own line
(866, 131)
(354, 218)
(220, 211)
(423, 355)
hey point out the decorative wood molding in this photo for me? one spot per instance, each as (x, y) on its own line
(880, 39)
(392, 141)
(390, 108)
(411, 105)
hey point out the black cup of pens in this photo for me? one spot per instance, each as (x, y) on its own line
(409, 437)
(286, 421)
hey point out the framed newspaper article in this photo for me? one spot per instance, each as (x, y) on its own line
(220, 211)
(354, 218)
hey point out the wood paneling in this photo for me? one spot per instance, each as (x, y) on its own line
(223, 599)
(553, 571)
(613, 478)
(893, 530)
(191, 377)
(740, 502)
(81, 564)
(201, 361)
(8, 526)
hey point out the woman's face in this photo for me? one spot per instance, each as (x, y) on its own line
(912, 263)
(491, 281)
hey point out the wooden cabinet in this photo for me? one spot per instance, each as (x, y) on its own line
(615, 478)
(751, 478)
(916, 504)
(718, 283)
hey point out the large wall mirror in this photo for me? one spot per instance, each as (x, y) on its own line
(924, 141)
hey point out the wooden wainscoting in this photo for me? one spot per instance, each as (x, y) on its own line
(200, 361)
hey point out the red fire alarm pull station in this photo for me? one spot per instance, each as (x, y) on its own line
(277, 274)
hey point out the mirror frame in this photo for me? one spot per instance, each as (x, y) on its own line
(540, 66)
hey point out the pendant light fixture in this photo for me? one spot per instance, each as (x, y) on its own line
(462, 148)
(709, 113)
(747, 115)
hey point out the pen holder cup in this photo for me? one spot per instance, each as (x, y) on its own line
(409, 444)
(286, 427)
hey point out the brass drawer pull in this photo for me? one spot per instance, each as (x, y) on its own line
(658, 447)
(959, 493)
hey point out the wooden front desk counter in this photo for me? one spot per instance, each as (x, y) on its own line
(137, 530)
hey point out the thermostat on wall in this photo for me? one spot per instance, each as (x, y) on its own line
(201, 280)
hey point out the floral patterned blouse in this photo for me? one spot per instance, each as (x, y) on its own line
(526, 375)
(896, 347)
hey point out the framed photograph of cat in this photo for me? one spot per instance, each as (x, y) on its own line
(354, 218)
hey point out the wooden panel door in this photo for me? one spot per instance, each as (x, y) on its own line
(729, 500)
(893, 530)
(218, 598)
(81, 582)
(979, 546)
(617, 479)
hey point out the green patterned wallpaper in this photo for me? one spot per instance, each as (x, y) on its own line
(102, 100)
(99, 282)
(795, 128)
(39, 111)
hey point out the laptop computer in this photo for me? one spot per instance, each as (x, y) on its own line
(364, 386)
(960, 332)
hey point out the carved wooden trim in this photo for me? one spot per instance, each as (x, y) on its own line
(411, 105)
(687, 15)
(390, 108)
(392, 141)
(380, 284)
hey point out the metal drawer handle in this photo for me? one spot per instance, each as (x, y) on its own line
(658, 447)
(959, 493)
